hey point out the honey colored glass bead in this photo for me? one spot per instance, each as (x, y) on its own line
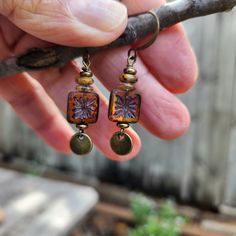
(85, 81)
(82, 107)
(124, 106)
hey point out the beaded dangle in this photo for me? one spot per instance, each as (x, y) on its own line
(125, 102)
(83, 109)
(124, 107)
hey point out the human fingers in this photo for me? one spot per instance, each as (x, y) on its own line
(68, 22)
(59, 85)
(30, 101)
(161, 112)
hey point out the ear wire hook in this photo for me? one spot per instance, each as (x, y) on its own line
(132, 53)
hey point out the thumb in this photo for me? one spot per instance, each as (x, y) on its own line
(68, 22)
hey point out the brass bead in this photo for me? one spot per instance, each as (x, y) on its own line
(128, 78)
(83, 88)
(126, 86)
(82, 126)
(130, 70)
(86, 74)
(85, 81)
(123, 125)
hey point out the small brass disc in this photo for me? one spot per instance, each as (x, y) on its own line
(121, 144)
(81, 144)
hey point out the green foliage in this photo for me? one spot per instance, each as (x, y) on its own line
(142, 208)
(151, 221)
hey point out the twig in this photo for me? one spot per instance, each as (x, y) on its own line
(138, 27)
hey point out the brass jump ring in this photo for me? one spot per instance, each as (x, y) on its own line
(132, 56)
(86, 61)
(122, 130)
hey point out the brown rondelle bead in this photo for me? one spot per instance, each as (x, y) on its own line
(85, 81)
(130, 70)
(128, 78)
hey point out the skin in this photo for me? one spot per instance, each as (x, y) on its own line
(167, 68)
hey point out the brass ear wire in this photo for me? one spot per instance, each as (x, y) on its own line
(132, 53)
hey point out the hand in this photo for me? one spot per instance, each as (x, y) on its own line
(166, 68)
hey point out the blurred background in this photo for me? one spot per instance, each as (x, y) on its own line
(197, 170)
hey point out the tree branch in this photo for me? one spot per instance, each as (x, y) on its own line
(138, 27)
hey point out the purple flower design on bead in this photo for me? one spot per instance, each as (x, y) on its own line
(84, 108)
(125, 106)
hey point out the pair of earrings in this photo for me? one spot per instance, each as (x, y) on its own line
(124, 105)
(124, 108)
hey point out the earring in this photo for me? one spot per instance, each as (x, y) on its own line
(124, 107)
(125, 103)
(83, 109)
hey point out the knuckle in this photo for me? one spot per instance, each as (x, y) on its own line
(7, 7)
(11, 8)
(20, 8)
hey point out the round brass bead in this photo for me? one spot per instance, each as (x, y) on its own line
(130, 70)
(126, 87)
(82, 126)
(86, 74)
(85, 81)
(128, 78)
(123, 125)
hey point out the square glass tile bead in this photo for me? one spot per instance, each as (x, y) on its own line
(82, 107)
(124, 106)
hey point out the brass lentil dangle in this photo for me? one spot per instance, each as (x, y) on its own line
(125, 102)
(82, 109)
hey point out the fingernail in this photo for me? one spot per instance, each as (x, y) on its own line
(105, 15)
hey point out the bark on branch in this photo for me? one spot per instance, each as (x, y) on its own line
(138, 27)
